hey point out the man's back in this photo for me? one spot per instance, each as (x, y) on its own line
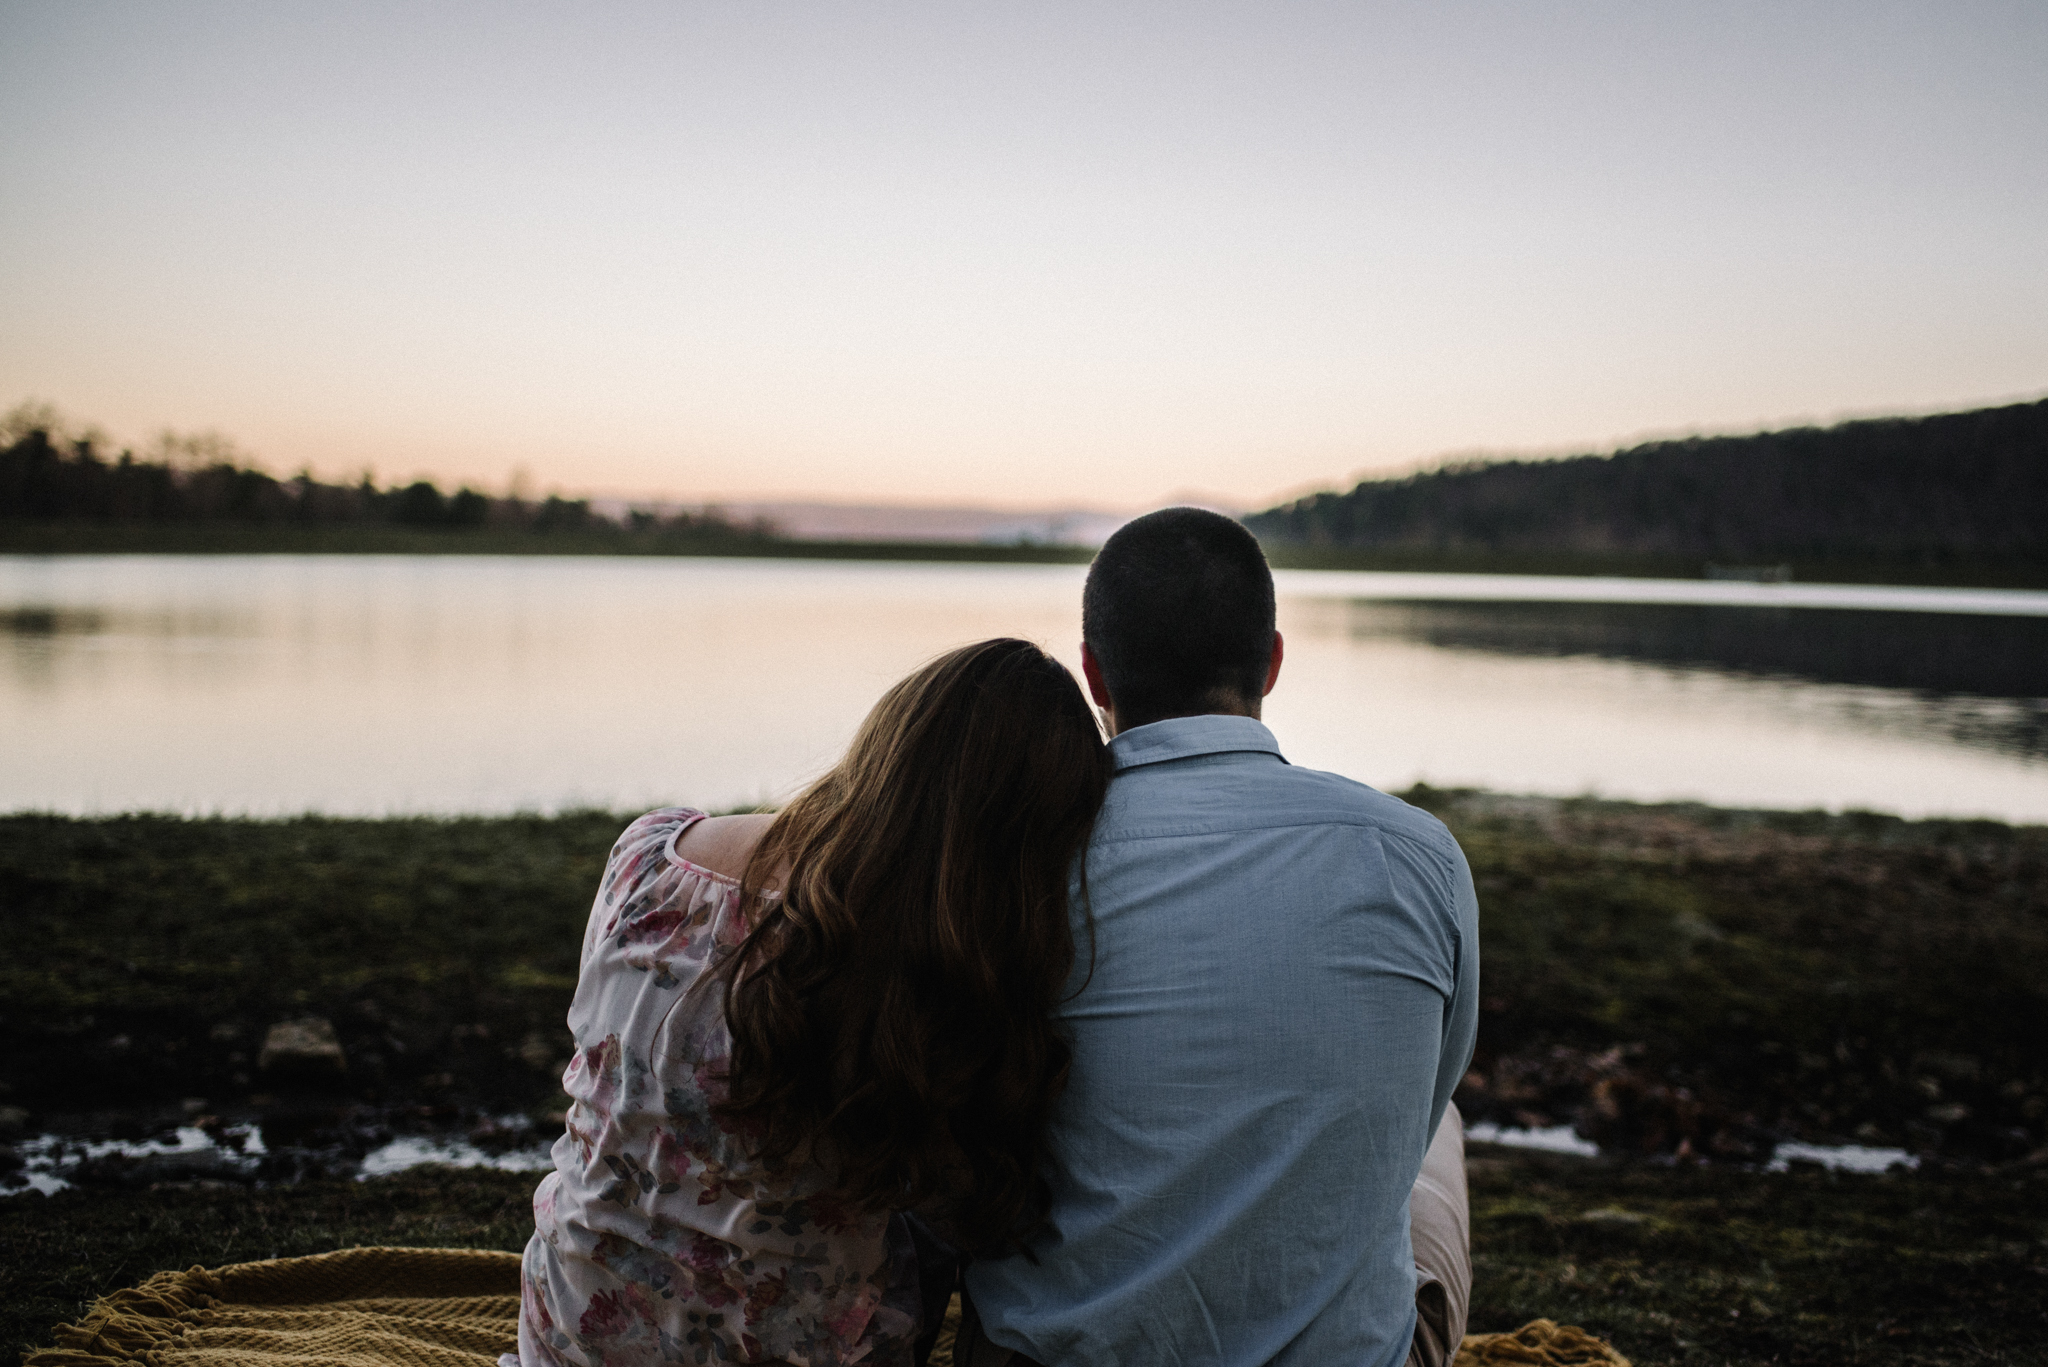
(1283, 996)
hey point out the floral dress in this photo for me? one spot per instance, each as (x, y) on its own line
(657, 1239)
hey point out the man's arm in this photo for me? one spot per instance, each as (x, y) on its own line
(1461, 1013)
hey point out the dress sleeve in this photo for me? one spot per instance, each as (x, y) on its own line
(639, 854)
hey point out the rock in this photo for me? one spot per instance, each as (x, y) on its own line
(302, 1051)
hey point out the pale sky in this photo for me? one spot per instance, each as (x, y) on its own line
(1095, 253)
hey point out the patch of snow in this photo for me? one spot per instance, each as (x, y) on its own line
(410, 1151)
(1553, 1139)
(1841, 1157)
(49, 1160)
(189, 1139)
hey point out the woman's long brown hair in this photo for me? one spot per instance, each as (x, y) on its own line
(892, 1012)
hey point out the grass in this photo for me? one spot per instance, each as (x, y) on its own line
(151, 953)
(1713, 1265)
(1669, 979)
(1676, 981)
(1689, 979)
(1672, 1265)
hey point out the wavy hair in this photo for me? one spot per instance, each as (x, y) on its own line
(892, 1011)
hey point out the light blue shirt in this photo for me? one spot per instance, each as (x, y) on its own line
(1284, 993)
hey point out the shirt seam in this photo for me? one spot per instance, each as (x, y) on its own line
(1429, 845)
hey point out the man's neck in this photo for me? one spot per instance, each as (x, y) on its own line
(1113, 720)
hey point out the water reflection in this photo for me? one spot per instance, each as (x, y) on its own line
(1972, 679)
(33, 621)
(380, 684)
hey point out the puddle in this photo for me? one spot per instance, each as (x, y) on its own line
(237, 1154)
(1837, 1157)
(413, 1150)
(48, 1162)
(1554, 1139)
(1841, 1157)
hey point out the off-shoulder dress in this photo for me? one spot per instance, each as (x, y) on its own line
(657, 1238)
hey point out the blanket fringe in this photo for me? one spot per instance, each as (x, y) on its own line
(382, 1307)
(1539, 1343)
(359, 1303)
(124, 1326)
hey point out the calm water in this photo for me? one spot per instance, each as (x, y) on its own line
(402, 684)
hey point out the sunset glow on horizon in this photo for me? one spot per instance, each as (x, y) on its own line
(1033, 256)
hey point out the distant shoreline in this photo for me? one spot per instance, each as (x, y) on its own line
(99, 538)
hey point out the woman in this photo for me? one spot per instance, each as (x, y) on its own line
(788, 1028)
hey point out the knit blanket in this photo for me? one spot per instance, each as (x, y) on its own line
(440, 1307)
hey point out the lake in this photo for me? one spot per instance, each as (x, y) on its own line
(393, 684)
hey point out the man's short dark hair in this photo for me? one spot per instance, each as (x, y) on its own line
(1178, 612)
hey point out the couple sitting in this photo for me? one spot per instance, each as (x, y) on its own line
(1156, 1039)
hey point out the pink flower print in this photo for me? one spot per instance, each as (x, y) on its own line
(609, 1316)
(617, 1314)
(766, 1294)
(706, 1255)
(651, 927)
(711, 1080)
(671, 1162)
(848, 1324)
(602, 1063)
(535, 1302)
(728, 932)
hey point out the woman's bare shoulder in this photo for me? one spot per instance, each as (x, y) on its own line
(724, 844)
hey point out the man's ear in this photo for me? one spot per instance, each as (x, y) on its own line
(1272, 670)
(1091, 670)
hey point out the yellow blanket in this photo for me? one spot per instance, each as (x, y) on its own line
(439, 1307)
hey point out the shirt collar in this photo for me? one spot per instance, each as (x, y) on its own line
(1180, 737)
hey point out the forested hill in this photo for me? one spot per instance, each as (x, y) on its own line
(1957, 488)
(50, 480)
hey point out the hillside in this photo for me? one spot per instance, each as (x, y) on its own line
(1954, 489)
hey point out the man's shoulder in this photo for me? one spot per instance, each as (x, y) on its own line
(1263, 794)
(1348, 801)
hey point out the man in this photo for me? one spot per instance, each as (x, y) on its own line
(1277, 996)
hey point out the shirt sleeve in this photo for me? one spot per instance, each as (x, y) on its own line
(1461, 1013)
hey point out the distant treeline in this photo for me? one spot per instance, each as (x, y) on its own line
(46, 478)
(1925, 491)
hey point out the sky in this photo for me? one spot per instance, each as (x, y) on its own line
(1102, 255)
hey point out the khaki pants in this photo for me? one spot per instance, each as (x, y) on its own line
(1439, 1226)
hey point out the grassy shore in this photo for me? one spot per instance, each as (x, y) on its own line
(112, 538)
(1672, 1265)
(1685, 985)
(1671, 980)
